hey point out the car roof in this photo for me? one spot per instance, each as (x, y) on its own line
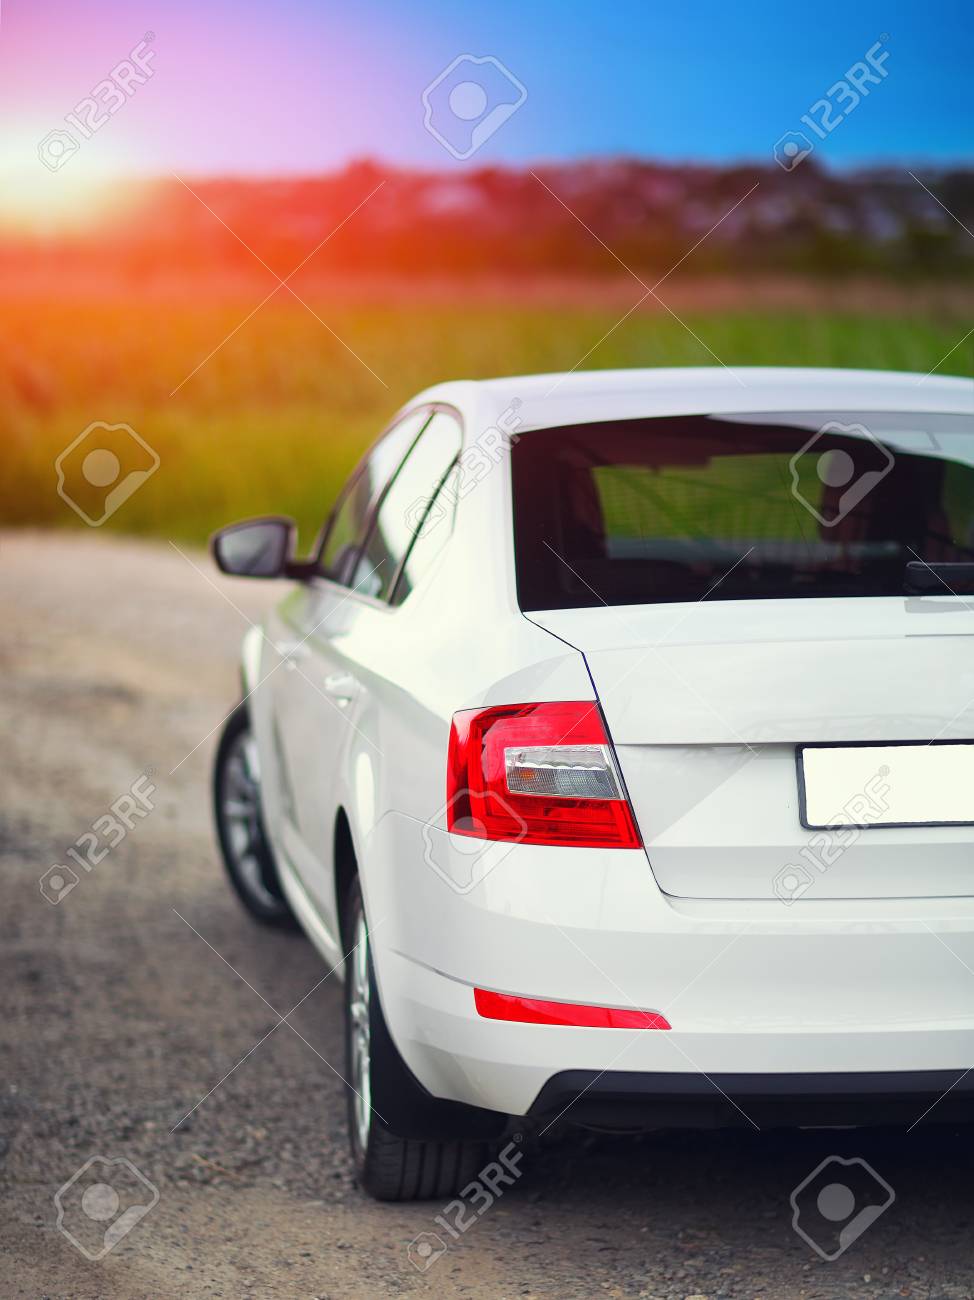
(583, 397)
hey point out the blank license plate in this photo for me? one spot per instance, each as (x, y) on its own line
(886, 785)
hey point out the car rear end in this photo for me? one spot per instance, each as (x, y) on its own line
(731, 881)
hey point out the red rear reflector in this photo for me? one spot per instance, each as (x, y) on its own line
(537, 774)
(533, 1011)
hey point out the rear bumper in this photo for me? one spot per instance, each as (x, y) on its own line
(804, 996)
(623, 1100)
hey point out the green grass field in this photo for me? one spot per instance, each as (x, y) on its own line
(274, 420)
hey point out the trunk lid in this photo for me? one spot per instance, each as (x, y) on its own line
(707, 704)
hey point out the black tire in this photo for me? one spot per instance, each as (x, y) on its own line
(406, 1145)
(243, 841)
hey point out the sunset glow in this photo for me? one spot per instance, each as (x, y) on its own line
(80, 196)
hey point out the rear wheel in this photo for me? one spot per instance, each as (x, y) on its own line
(406, 1145)
(240, 826)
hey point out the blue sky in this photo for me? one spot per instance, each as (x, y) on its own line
(298, 86)
(717, 82)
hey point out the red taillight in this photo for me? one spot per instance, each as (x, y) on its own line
(537, 774)
(535, 1011)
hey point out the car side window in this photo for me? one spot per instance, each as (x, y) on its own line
(406, 503)
(353, 512)
(432, 534)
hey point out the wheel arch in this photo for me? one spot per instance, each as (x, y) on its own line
(345, 863)
(250, 651)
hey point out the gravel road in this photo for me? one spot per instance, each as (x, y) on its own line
(122, 1013)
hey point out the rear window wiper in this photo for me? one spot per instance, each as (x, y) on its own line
(952, 579)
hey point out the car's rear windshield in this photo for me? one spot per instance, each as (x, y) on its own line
(733, 507)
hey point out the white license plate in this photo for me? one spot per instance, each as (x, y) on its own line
(886, 785)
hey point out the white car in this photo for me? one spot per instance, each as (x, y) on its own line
(616, 746)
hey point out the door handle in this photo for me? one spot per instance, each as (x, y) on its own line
(341, 688)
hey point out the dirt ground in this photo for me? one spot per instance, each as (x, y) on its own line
(120, 1013)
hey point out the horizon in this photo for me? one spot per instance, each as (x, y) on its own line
(50, 202)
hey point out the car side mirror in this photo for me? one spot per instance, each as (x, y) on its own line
(259, 548)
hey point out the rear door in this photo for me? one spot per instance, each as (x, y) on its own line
(314, 689)
(345, 627)
(737, 586)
